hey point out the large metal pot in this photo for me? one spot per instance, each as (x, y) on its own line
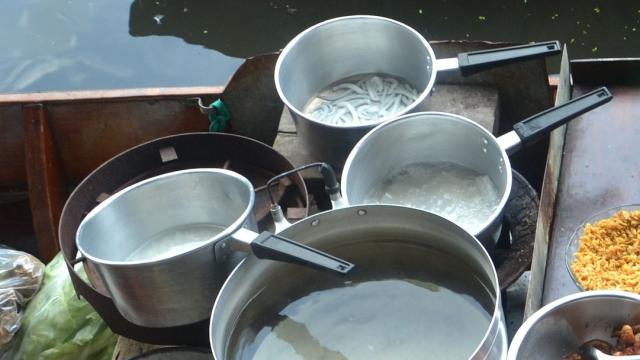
(432, 137)
(561, 326)
(163, 246)
(342, 47)
(376, 225)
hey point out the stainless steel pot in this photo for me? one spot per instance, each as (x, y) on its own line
(561, 326)
(431, 137)
(354, 45)
(355, 225)
(164, 246)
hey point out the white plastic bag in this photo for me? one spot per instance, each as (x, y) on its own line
(20, 278)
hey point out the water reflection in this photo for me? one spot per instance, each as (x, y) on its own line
(68, 45)
(73, 44)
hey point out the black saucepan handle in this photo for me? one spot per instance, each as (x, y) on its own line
(537, 126)
(476, 61)
(274, 247)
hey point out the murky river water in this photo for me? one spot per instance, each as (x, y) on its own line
(89, 44)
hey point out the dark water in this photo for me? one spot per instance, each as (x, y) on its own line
(401, 301)
(85, 44)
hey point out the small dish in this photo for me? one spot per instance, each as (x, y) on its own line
(574, 241)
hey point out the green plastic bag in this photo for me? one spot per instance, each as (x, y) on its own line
(58, 325)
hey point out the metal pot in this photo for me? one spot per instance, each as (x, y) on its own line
(392, 226)
(163, 246)
(431, 137)
(353, 45)
(561, 326)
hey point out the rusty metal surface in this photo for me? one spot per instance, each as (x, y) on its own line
(600, 166)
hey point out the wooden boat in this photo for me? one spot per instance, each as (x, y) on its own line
(50, 141)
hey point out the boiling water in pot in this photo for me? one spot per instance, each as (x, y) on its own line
(360, 99)
(402, 301)
(452, 191)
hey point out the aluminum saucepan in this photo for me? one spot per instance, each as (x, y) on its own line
(563, 325)
(163, 246)
(397, 237)
(436, 137)
(353, 45)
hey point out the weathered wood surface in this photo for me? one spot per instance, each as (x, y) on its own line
(47, 182)
(548, 195)
(600, 167)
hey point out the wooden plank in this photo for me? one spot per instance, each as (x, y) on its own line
(12, 173)
(107, 95)
(46, 180)
(90, 133)
(548, 195)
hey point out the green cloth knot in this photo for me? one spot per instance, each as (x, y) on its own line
(219, 119)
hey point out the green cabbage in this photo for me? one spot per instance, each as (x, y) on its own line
(57, 324)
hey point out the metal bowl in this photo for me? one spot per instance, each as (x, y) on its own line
(574, 241)
(562, 326)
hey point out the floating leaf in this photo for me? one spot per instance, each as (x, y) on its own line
(420, 11)
(482, 18)
(572, 40)
(594, 49)
(596, 10)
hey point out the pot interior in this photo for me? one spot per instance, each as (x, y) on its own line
(414, 285)
(348, 46)
(165, 216)
(557, 330)
(433, 161)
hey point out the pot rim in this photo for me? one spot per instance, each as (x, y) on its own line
(493, 328)
(230, 229)
(424, 116)
(300, 37)
(525, 328)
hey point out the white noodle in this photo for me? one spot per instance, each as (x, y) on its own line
(358, 101)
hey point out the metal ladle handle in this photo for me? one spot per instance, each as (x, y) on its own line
(267, 245)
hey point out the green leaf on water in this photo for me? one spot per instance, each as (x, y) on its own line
(596, 10)
(420, 11)
(482, 18)
(594, 49)
(572, 40)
